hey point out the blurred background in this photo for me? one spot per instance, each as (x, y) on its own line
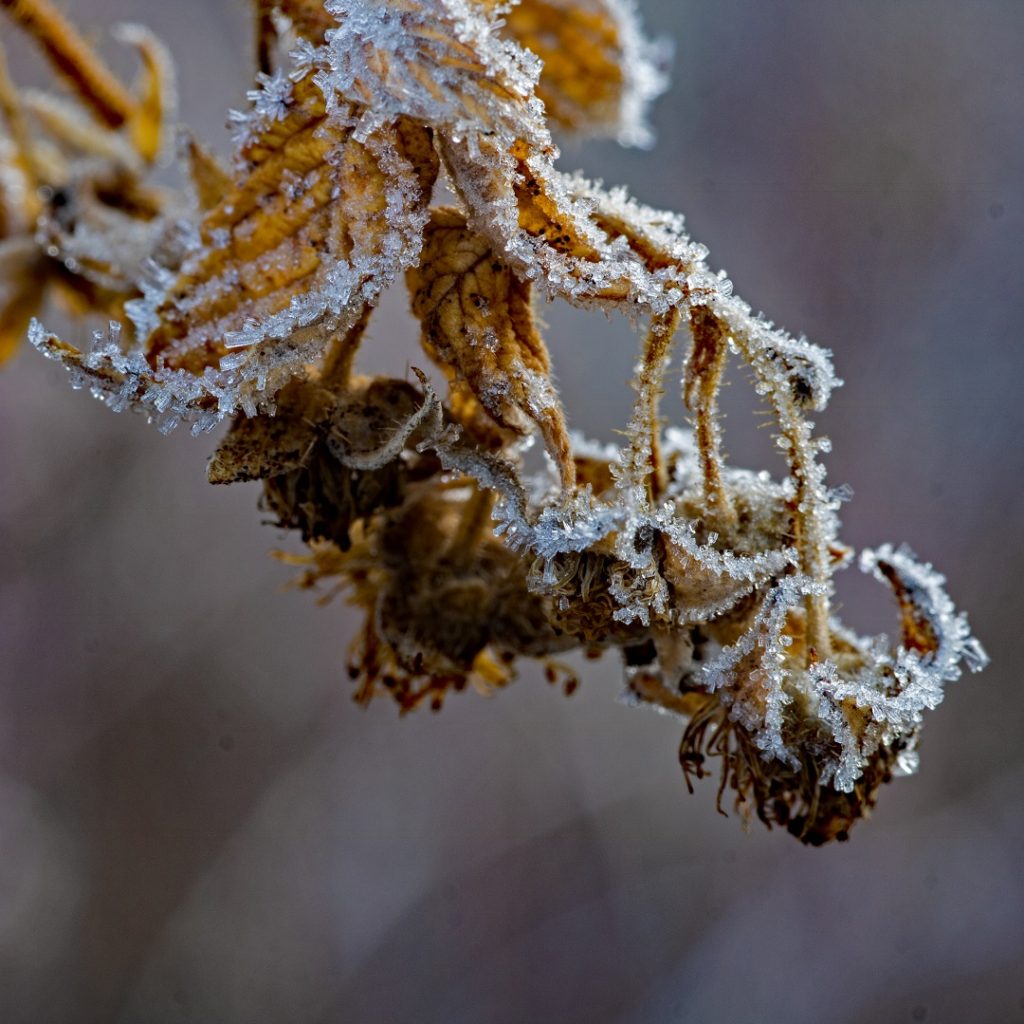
(197, 824)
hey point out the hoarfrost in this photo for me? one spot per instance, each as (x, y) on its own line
(714, 581)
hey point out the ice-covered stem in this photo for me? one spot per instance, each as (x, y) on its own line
(779, 376)
(702, 381)
(646, 463)
(73, 58)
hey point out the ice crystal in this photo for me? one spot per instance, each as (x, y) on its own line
(246, 295)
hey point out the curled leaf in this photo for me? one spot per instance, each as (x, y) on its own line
(478, 323)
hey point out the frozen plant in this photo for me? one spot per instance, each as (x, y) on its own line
(246, 294)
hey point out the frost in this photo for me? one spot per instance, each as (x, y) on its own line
(246, 295)
(751, 673)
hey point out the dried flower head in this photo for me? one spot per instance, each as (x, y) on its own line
(247, 295)
(77, 217)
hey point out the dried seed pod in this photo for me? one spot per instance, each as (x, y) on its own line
(331, 457)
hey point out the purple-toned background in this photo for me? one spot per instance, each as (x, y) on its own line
(196, 823)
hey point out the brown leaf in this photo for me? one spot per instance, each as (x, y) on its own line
(478, 323)
(309, 197)
(581, 46)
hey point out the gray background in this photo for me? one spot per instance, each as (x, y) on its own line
(196, 824)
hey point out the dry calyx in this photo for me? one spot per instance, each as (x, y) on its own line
(247, 296)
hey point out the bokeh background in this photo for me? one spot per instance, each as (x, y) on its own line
(196, 823)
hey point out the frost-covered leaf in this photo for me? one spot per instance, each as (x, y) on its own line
(599, 72)
(930, 626)
(478, 323)
(315, 224)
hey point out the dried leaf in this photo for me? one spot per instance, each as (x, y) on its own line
(77, 196)
(310, 199)
(478, 323)
(598, 72)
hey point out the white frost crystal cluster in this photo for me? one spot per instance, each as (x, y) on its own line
(249, 299)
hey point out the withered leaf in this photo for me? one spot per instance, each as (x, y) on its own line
(75, 216)
(300, 235)
(586, 52)
(478, 324)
